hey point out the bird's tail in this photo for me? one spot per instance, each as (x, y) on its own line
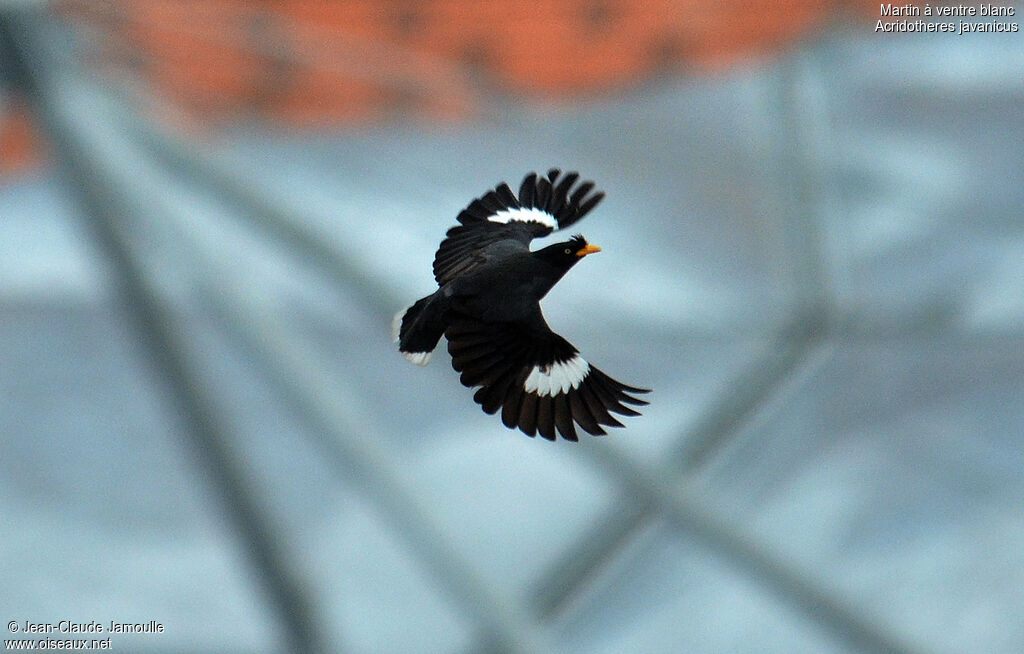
(418, 328)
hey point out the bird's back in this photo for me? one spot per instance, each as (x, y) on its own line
(505, 289)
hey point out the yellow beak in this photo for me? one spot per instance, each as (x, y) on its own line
(589, 249)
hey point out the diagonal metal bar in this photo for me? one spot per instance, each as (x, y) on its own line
(751, 389)
(267, 213)
(285, 587)
(290, 228)
(682, 506)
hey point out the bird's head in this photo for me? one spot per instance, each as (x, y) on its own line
(567, 254)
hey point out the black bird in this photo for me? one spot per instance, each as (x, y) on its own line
(488, 307)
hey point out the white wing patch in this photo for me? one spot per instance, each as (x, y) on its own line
(558, 377)
(524, 215)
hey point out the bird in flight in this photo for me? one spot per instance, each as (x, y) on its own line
(487, 306)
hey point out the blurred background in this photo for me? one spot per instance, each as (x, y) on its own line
(813, 253)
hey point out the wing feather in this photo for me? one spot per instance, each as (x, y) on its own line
(543, 205)
(535, 378)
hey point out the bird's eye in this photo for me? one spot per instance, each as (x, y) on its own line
(568, 251)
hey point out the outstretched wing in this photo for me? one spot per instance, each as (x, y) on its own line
(536, 378)
(544, 205)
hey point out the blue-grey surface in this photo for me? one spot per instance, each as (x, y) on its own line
(883, 463)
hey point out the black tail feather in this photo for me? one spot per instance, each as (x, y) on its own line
(418, 329)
